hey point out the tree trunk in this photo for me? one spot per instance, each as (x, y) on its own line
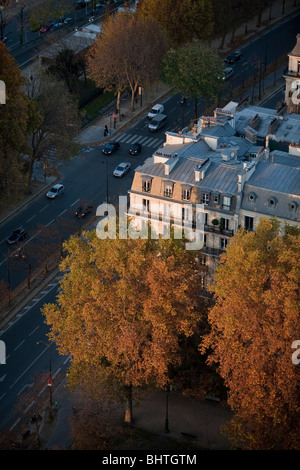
(128, 404)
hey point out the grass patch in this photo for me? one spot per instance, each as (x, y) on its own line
(93, 107)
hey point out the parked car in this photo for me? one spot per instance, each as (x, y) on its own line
(17, 235)
(46, 28)
(122, 169)
(55, 191)
(227, 72)
(135, 148)
(233, 57)
(111, 147)
(83, 211)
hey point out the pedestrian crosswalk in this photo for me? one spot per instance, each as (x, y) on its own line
(128, 138)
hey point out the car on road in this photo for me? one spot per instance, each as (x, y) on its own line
(227, 72)
(121, 169)
(111, 147)
(56, 191)
(83, 211)
(17, 235)
(46, 28)
(135, 148)
(233, 57)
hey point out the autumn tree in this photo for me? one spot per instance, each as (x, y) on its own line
(254, 323)
(15, 122)
(193, 70)
(123, 306)
(53, 135)
(127, 54)
(182, 21)
(68, 67)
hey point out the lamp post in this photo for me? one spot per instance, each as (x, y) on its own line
(166, 431)
(50, 382)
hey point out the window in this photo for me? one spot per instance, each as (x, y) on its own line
(168, 192)
(272, 202)
(184, 213)
(224, 223)
(205, 198)
(146, 185)
(252, 197)
(226, 203)
(248, 222)
(293, 206)
(223, 243)
(146, 204)
(216, 198)
(186, 194)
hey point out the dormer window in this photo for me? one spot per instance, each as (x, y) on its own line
(293, 206)
(216, 198)
(205, 198)
(272, 202)
(186, 192)
(252, 197)
(168, 189)
(226, 203)
(146, 184)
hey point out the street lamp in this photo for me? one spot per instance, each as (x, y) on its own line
(50, 382)
(166, 431)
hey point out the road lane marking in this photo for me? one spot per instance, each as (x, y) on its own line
(44, 208)
(20, 344)
(75, 202)
(31, 218)
(34, 330)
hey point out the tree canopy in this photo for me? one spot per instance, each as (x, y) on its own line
(254, 323)
(127, 54)
(182, 21)
(122, 308)
(15, 123)
(193, 70)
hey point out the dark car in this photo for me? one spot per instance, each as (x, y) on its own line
(83, 211)
(135, 148)
(18, 235)
(233, 57)
(110, 148)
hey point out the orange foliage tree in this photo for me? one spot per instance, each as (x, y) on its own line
(254, 324)
(122, 308)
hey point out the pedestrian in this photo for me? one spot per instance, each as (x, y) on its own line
(105, 130)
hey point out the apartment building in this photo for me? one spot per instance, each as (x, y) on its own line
(292, 79)
(210, 181)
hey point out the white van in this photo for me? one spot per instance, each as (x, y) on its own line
(157, 109)
(157, 122)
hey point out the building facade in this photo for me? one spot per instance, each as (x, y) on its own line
(210, 181)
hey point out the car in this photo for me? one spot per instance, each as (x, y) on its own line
(55, 191)
(227, 72)
(111, 147)
(122, 169)
(233, 57)
(83, 211)
(46, 27)
(135, 148)
(17, 235)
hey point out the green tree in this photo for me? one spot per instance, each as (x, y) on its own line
(254, 323)
(68, 67)
(182, 21)
(121, 315)
(194, 70)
